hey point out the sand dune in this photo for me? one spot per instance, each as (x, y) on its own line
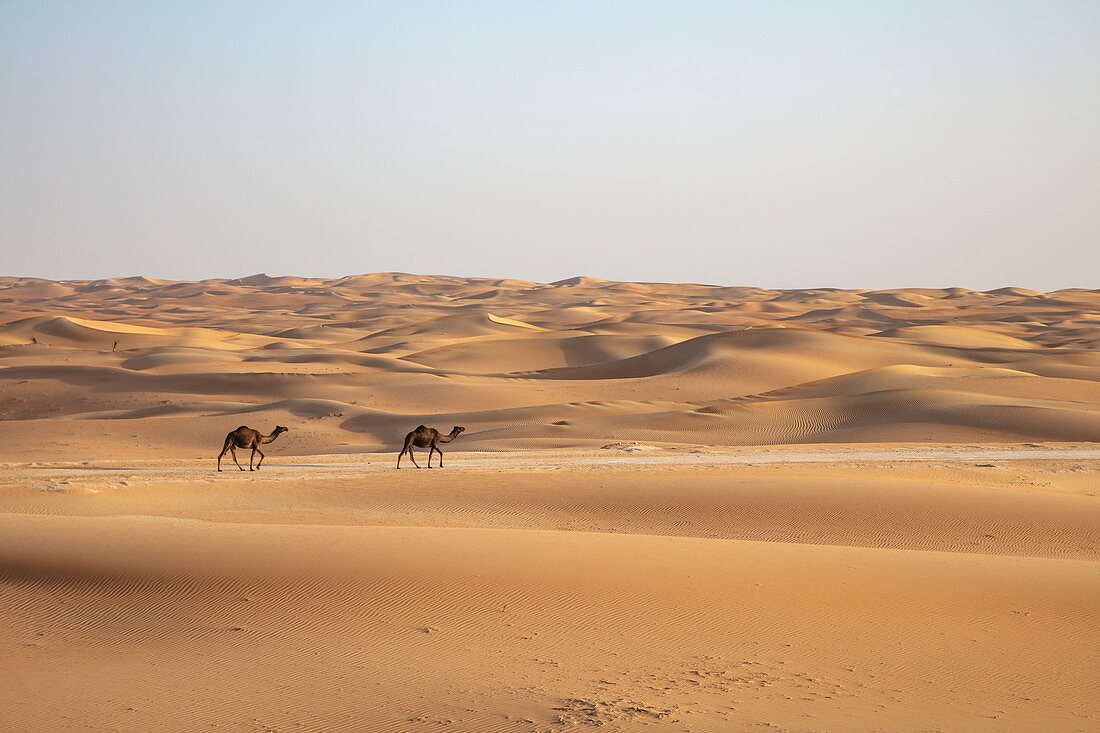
(513, 355)
(83, 333)
(660, 359)
(966, 338)
(602, 548)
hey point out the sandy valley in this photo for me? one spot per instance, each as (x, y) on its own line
(674, 508)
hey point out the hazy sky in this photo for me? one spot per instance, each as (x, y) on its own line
(774, 143)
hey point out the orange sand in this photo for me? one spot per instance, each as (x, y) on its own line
(626, 536)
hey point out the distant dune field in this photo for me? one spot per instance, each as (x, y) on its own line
(674, 507)
(134, 363)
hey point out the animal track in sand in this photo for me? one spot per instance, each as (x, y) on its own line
(579, 711)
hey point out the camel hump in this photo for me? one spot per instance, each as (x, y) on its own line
(243, 427)
(421, 427)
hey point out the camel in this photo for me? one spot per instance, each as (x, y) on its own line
(246, 437)
(429, 438)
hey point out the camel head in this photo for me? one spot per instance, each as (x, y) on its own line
(279, 430)
(456, 430)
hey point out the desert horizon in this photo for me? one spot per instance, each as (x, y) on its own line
(789, 421)
(672, 507)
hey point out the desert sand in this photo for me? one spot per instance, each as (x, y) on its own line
(674, 508)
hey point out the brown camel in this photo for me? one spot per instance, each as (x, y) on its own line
(429, 438)
(246, 437)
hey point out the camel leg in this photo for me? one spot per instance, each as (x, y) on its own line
(261, 458)
(225, 449)
(233, 452)
(440, 456)
(406, 449)
(431, 448)
(250, 457)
